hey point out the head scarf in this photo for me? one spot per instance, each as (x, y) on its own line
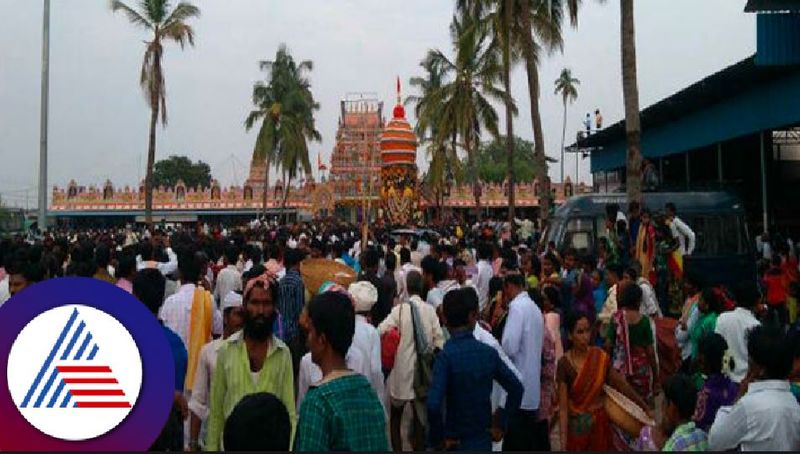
(266, 279)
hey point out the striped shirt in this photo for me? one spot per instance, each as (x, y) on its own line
(291, 301)
(233, 380)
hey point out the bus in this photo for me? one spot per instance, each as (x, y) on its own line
(723, 252)
(12, 221)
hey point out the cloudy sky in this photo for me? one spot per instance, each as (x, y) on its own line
(99, 119)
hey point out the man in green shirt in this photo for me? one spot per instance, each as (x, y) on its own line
(252, 361)
(342, 411)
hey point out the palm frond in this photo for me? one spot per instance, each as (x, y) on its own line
(179, 32)
(156, 10)
(182, 13)
(133, 16)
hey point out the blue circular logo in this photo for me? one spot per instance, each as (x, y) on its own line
(87, 368)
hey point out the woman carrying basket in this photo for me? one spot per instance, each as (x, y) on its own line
(581, 374)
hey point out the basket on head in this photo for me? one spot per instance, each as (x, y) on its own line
(624, 413)
(315, 272)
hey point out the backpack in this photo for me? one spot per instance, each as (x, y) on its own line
(423, 372)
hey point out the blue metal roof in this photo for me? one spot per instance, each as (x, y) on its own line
(754, 6)
(686, 202)
(740, 100)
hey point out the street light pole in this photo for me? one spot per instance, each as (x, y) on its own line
(42, 218)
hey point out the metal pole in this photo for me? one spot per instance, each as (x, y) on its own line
(763, 182)
(42, 219)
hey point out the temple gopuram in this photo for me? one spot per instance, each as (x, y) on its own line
(372, 170)
(355, 163)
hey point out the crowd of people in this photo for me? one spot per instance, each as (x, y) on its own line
(471, 338)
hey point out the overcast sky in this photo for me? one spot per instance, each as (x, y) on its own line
(99, 119)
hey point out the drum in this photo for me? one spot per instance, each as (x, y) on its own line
(624, 413)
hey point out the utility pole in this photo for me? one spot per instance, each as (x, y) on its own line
(42, 219)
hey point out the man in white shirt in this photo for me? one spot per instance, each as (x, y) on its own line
(526, 227)
(485, 274)
(401, 379)
(232, 322)
(684, 234)
(523, 337)
(253, 255)
(649, 305)
(433, 274)
(229, 278)
(365, 337)
(176, 313)
(146, 259)
(767, 416)
(735, 325)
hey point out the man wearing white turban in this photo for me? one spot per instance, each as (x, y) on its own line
(366, 339)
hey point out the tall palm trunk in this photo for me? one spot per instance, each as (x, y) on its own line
(630, 92)
(151, 159)
(286, 182)
(509, 5)
(536, 117)
(563, 138)
(286, 200)
(265, 195)
(473, 159)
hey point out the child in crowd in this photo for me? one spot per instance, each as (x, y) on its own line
(718, 389)
(599, 292)
(677, 432)
(774, 282)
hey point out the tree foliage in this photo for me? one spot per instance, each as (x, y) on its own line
(492, 162)
(167, 172)
(285, 107)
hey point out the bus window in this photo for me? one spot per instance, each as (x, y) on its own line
(580, 241)
(580, 235)
(600, 227)
(732, 236)
(717, 235)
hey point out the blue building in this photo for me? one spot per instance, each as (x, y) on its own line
(737, 129)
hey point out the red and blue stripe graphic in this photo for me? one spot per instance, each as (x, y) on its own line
(80, 381)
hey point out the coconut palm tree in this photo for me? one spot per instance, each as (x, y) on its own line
(464, 101)
(540, 29)
(285, 106)
(428, 112)
(630, 94)
(497, 16)
(166, 24)
(566, 86)
(532, 26)
(265, 149)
